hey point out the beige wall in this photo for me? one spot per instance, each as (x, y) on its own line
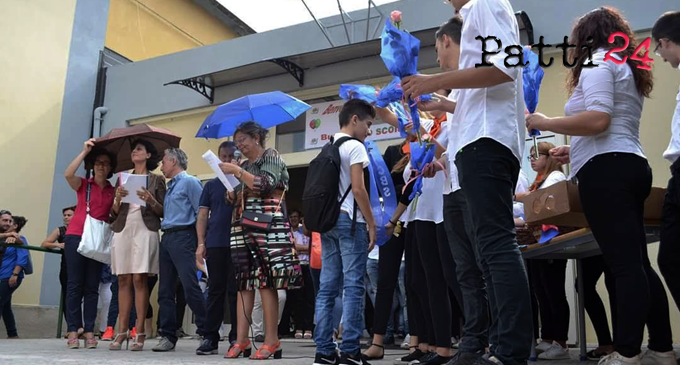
(141, 29)
(33, 66)
(654, 134)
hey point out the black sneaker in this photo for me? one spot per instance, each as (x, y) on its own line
(322, 359)
(353, 359)
(414, 356)
(207, 348)
(427, 357)
(466, 358)
(436, 360)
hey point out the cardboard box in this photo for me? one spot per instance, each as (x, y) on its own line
(560, 205)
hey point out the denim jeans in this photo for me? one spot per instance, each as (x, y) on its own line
(178, 258)
(372, 289)
(6, 306)
(401, 296)
(488, 174)
(337, 308)
(344, 254)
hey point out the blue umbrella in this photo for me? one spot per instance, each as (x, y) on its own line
(268, 109)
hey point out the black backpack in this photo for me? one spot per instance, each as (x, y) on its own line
(320, 203)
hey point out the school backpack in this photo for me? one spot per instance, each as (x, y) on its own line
(320, 203)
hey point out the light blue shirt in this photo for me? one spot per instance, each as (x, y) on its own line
(180, 207)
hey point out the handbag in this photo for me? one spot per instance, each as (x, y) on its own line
(97, 235)
(257, 221)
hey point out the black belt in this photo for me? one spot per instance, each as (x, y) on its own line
(177, 228)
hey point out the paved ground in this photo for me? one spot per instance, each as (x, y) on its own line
(53, 352)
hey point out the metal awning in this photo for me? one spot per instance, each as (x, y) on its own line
(297, 64)
(294, 65)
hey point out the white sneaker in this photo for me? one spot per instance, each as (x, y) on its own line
(555, 352)
(617, 359)
(407, 342)
(659, 358)
(543, 347)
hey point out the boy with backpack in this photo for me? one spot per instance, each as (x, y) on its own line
(336, 203)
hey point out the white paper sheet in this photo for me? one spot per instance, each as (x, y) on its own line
(229, 180)
(133, 183)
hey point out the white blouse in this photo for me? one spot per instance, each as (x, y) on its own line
(607, 88)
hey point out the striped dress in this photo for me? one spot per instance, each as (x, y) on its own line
(264, 260)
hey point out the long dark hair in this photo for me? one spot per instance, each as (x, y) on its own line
(593, 30)
(151, 162)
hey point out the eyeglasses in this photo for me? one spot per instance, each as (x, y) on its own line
(241, 140)
(102, 163)
(531, 157)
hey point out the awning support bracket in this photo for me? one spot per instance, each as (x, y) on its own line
(197, 84)
(294, 70)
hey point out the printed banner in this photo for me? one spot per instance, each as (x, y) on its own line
(322, 124)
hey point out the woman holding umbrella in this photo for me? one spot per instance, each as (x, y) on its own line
(83, 272)
(134, 250)
(263, 258)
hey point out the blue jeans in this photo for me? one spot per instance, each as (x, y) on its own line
(488, 174)
(403, 317)
(344, 254)
(178, 258)
(337, 308)
(6, 306)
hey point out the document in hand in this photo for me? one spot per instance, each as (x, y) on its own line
(229, 180)
(133, 183)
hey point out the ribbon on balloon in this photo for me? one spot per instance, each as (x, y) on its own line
(399, 52)
(532, 76)
(381, 185)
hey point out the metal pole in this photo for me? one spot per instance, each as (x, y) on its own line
(319, 24)
(60, 316)
(368, 18)
(349, 41)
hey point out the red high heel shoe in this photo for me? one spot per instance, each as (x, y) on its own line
(273, 350)
(242, 348)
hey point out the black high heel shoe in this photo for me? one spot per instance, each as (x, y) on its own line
(368, 357)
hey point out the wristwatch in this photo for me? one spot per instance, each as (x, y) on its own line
(14, 274)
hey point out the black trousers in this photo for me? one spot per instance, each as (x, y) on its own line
(221, 286)
(669, 249)
(388, 278)
(303, 301)
(613, 188)
(415, 274)
(449, 269)
(488, 174)
(548, 279)
(83, 287)
(438, 314)
(593, 268)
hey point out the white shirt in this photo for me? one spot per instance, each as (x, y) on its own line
(673, 151)
(608, 88)
(351, 152)
(495, 112)
(451, 184)
(553, 178)
(522, 187)
(429, 206)
(375, 253)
